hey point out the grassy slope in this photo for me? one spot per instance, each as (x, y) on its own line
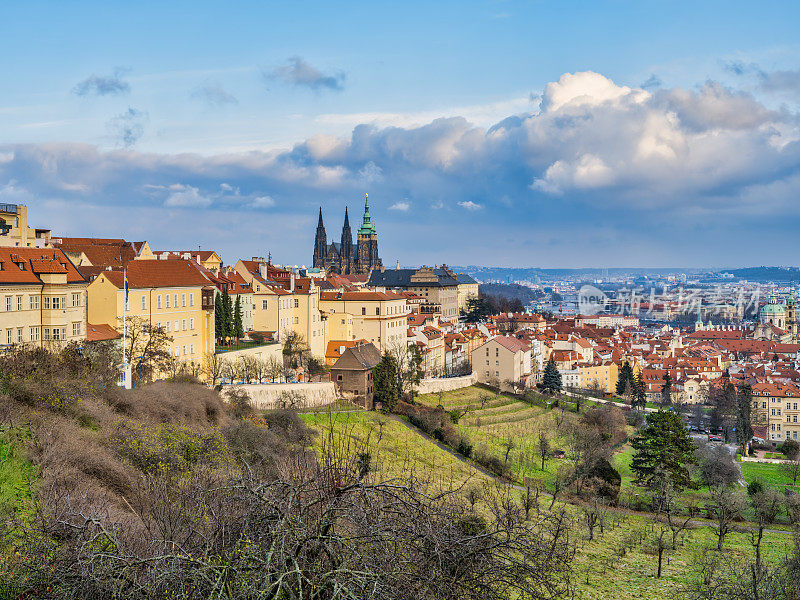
(609, 575)
(770, 473)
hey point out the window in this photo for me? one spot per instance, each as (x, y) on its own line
(19, 302)
(158, 301)
(167, 300)
(378, 310)
(76, 300)
(176, 326)
(183, 299)
(296, 303)
(191, 299)
(263, 305)
(183, 350)
(183, 324)
(363, 310)
(56, 333)
(168, 322)
(176, 300)
(34, 301)
(46, 302)
(191, 348)
(144, 302)
(9, 336)
(191, 323)
(34, 334)
(8, 303)
(56, 304)
(20, 336)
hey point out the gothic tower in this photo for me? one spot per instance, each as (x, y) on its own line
(346, 247)
(367, 242)
(320, 244)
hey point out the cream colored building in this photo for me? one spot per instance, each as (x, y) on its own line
(377, 317)
(14, 230)
(42, 298)
(599, 375)
(776, 407)
(173, 294)
(500, 360)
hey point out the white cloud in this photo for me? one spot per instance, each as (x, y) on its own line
(263, 202)
(469, 205)
(183, 196)
(401, 206)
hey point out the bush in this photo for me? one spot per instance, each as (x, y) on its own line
(755, 487)
(491, 463)
(607, 479)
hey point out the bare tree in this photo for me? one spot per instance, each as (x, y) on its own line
(508, 445)
(727, 505)
(544, 446)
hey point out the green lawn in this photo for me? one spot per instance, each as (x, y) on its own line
(771, 474)
(17, 474)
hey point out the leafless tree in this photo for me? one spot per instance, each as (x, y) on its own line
(544, 447)
(726, 507)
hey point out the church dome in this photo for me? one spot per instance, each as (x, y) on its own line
(773, 308)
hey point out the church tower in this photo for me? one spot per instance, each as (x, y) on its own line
(346, 248)
(320, 244)
(367, 242)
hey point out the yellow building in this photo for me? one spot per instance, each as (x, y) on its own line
(173, 294)
(14, 230)
(205, 258)
(284, 302)
(42, 297)
(601, 376)
(377, 317)
(102, 252)
(776, 411)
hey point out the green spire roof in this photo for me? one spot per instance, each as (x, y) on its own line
(367, 228)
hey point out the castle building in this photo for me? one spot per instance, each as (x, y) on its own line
(342, 257)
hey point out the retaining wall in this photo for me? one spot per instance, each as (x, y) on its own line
(268, 396)
(259, 352)
(446, 384)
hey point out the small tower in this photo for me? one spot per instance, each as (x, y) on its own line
(367, 258)
(320, 244)
(346, 257)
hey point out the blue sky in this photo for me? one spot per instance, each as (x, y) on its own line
(536, 133)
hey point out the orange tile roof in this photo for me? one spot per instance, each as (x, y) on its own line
(101, 333)
(159, 273)
(35, 262)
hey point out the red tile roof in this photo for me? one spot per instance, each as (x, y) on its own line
(159, 273)
(101, 333)
(24, 265)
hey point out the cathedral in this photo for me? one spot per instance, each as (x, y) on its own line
(777, 321)
(342, 257)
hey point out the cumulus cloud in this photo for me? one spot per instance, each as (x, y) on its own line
(213, 94)
(103, 85)
(183, 196)
(401, 205)
(298, 72)
(593, 151)
(652, 82)
(128, 127)
(781, 81)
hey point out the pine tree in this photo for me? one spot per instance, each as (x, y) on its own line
(227, 313)
(663, 449)
(640, 391)
(219, 317)
(387, 384)
(666, 390)
(744, 427)
(551, 378)
(238, 328)
(625, 376)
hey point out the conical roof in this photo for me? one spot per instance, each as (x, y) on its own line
(367, 228)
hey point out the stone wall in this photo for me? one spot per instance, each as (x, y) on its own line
(447, 384)
(306, 395)
(259, 352)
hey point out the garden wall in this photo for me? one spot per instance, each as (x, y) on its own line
(268, 396)
(447, 384)
(259, 352)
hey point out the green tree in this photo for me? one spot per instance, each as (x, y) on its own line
(387, 384)
(625, 376)
(662, 451)
(227, 313)
(237, 326)
(551, 378)
(744, 403)
(639, 391)
(219, 317)
(666, 390)
(478, 309)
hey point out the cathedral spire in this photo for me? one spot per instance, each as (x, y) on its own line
(346, 219)
(367, 228)
(319, 223)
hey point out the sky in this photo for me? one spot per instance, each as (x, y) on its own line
(504, 133)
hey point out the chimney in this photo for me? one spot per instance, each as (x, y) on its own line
(262, 270)
(291, 282)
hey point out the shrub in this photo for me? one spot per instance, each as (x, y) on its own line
(607, 479)
(755, 487)
(239, 403)
(491, 463)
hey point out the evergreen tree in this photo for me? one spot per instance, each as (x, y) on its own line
(639, 391)
(551, 378)
(227, 313)
(744, 428)
(237, 326)
(663, 449)
(625, 376)
(666, 390)
(219, 317)
(387, 384)
(478, 309)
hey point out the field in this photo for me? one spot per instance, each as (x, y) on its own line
(492, 421)
(770, 474)
(619, 563)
